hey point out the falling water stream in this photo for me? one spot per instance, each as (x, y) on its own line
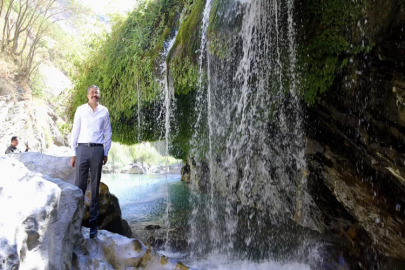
(252, 180)
(247, 143)
(168, 103)
(139, 109)
(204, 106)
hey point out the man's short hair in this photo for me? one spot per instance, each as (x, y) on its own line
(93, 86)
(14, 138)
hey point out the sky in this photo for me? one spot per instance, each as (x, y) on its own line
(104, 7)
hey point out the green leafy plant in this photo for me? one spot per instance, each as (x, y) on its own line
(327, 44)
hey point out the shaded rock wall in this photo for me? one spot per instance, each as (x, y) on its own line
(355, 131)
(110, 217)
(356, 138)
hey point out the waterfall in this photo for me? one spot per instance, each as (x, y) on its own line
(139, 109)
(168, 100)
(203, 106)
(248, 140)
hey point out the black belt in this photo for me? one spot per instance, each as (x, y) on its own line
(91, 144)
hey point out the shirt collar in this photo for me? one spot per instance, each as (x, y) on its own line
(98, 106)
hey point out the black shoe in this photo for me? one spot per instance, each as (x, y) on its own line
(93, 229)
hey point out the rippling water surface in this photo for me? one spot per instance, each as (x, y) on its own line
(143, 197)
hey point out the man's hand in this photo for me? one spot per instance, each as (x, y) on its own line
(73, 162)
(105, 160)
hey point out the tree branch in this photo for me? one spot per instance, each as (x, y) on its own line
(1, 6)
(6, 24)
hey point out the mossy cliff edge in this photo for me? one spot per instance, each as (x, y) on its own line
(352, 59)
(126, 66)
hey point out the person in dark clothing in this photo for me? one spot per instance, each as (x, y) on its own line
(13, 147)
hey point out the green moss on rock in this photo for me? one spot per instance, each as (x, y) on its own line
(329, 39)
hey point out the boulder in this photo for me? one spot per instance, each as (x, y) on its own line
(113, 251)
(159, 169)
(58, 151)
(59, 167)
(175, 169)
(41, 228)
(107, 168)
(41, 218)
(109, 213)
(134, 168)
(54, 167)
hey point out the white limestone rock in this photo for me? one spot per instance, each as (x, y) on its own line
(113, 251)
(134, 168)
(175, 169)
(52, 166)
(59, 167)
(40, 218)
(30, 119)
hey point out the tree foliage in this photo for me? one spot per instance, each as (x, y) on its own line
(125, 60)
(27, 23)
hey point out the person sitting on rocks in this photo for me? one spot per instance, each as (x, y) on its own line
(13, 147)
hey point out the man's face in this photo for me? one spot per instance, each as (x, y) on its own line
(93, 95)
(15, 142)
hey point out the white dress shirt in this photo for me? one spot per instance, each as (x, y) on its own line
(91, 127)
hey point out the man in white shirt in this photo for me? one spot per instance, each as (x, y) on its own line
(91, 129)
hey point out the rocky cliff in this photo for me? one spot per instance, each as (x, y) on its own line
(356, 136)
(32, 120)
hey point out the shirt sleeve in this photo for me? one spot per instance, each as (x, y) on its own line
(107, 134)
(75, 131)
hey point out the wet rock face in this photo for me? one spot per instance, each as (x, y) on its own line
(356, 140)
(113, 251)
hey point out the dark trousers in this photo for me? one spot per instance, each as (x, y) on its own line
(89, 158)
